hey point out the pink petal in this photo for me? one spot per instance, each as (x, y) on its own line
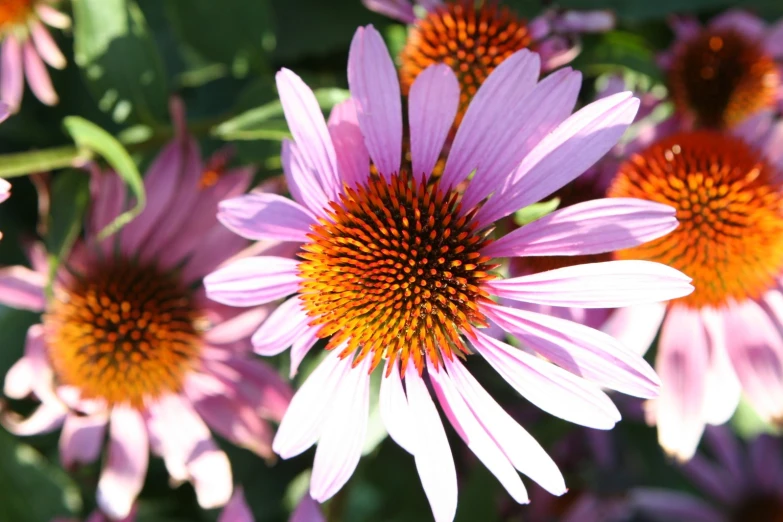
(11, 72)
(375, 90)
(286, 324)
(303, 422)
(353, 159)
(493, 121)
(302, 181)
(22, 288)
(636, 326)
(741, 21)
(612, 284)
(238, 423)
(395, 413)
(549, 387)
(37, 76)
(5, 187)
(401, 10)
(123, 473)
(432, 106)
(308, 127)
(48, 417)
(32, 374)
(592, 227)
(46, 46)
(475, 435)
(722, 388)
(663, 504)
(762, 451)
(573, 147)
(756, 352)
(774, 40)
(237, 509)
(585, 21)
(301, 347)
(343, 433)
(210, 473)
(237, 328)
(52, 17)
(262, 387)
(583, 351)
(81, 440)
(546, 107)
(253, 281)
(266, 216)
(108, 201)
(432, 452)
(520, 448)
(307, 511)
(681, 363)
(222, 246)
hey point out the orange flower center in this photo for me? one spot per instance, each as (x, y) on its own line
(125, 334)
(396, 272)
(470, 37)
(728, 201)
(721, 78)
(13, 12)
(766, 508)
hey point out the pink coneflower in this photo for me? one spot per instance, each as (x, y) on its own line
(129, 341)
(724, 338)
(26, 45)
(742, 484)
(473, 38)
(399, 268)
(5, 187)
(721, 73)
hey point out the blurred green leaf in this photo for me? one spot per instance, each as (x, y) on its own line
(237, 33)
(66, 215)
(646, 9)
(535, 211)
(118, 57)
(748, 424)
(33, 489)
(267, 121)
(616, 51)
(89, 136)
(24, 163)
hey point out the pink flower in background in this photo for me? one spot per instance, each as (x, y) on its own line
(724, 339)
(130, 344)
(26, 45)
(724, 72)
(742, 484)
(399, 268)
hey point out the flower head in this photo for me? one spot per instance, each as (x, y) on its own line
(722, 73)
(399, 268)
(129, 341)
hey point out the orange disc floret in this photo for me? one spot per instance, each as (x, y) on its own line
(396, 272)
(124, 333)
(721, 77)
(470, 37)
(729, 205)
(13, 12)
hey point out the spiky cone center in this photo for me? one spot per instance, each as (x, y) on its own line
(472, 38)
(396, 272)
(14, 12)
(729, 206)
(123, 333)
(720, 77)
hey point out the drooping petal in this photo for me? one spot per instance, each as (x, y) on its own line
(375, 90)
(552, 389)
(581, 350)
(353, 159)
(342, 436)
(612, 284)
(108, 201)
(301, 347)
(681, 363)
(519, 446)
(722, 388)
(741, 21)
(81, 440)
(475, 435)
(302, 182)
(395, 411)
(126, 463)
(591, 227)
(565, 153)
(636, 326)
(239, 327)
(668, 505)
(46, 46)
(253, 281)
(266, 216)
(286, 324)
(37, 76)
(22, 288)
(48, 417)
(493, 120)
(432, 452)
(432, 106)
(307, 511)
(401, 10)
(52, 16)
(306, 415)
(11, 72)
(237, 509)
(237, 422)
(210, 473)
(774, 40)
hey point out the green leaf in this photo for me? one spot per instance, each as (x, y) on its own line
(33, 489)
(117, 55)
(89, 136)
(24, 163)
(535, 211)
(617, 51)
(748, 424)
(66, 215)
(267, 121)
